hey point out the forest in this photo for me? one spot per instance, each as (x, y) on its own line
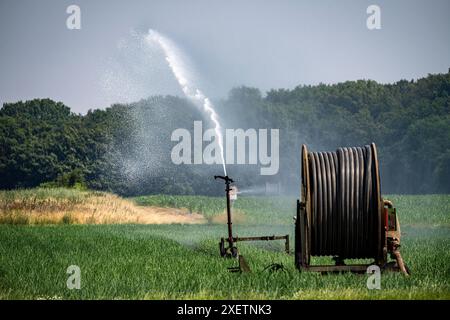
(126, 148)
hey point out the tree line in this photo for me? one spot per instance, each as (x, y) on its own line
(126, 148)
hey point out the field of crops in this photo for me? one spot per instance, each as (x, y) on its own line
(182, 261)
(44, 206)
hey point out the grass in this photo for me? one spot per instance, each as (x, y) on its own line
(182, 261)
(426, 210)
(255, 210)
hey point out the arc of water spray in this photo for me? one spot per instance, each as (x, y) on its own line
(175, 62)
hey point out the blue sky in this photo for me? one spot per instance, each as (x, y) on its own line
(265, 44)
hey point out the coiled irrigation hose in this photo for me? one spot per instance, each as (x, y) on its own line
(345, 199)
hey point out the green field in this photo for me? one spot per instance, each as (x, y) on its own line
(182, 261)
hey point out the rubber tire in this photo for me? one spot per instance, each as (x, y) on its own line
(234, 252)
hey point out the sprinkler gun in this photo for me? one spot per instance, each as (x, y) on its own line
(232, 250)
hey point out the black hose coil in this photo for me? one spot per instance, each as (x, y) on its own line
(345, 198)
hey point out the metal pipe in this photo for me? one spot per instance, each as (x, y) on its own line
(266, 238)
(228, 181)
(230, 224)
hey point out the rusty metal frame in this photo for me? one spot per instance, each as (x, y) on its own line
(261, 238)
(232, 250)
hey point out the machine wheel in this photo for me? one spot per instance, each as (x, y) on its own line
(223, 252)
(234, 252)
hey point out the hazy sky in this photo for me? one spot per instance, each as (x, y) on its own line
(266, 44)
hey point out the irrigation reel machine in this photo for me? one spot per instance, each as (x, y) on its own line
(340, 214)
